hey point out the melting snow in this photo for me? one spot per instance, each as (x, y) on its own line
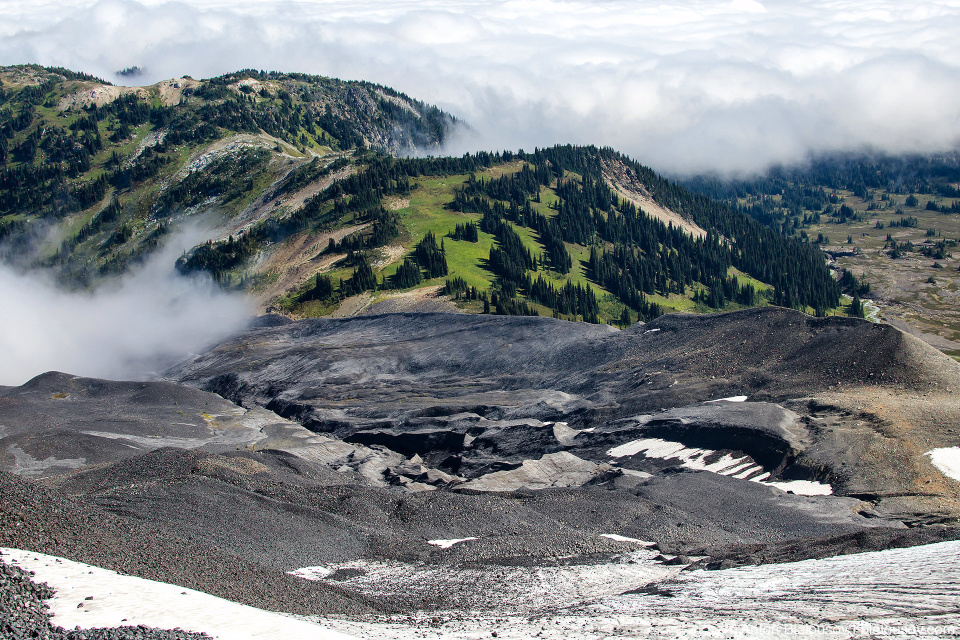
(616, 537)
(899, 593)
(947, 460)
(802, 487)
(446, 544)
(730, 399)
(743, 468)
(120, 600)
(311, 573)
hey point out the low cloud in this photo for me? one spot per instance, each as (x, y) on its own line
(130, 328)
(683, 86)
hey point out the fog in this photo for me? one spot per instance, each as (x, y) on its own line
(130, 328)
(682, 86)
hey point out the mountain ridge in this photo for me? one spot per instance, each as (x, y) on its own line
(307, 216)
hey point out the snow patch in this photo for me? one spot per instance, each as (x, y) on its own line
(311, 573)
(616, 537)
(802, 487)
(742, 468)
(120, 600)
(947, 460)
(730, 399)
(634, 473)
(446, 544)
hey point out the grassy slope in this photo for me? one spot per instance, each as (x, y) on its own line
(426, 212)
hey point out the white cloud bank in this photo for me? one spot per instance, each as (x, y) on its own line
(129, 328)
(680, 85)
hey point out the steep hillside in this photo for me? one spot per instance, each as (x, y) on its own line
(314, 214)
(94, 176)
(555, 232)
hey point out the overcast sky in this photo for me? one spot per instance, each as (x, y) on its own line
(682, 86)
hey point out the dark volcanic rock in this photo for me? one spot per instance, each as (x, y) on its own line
(293, 516)
(57, 422)
(409, 380)
(361, 373)
(425, 427)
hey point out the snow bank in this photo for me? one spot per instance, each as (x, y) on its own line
(899, 593)
(446, 544)
(802, 487)
(119, 600)
(742, 468)
(691, 458)
(730, 399)
(311, 573)
(947, 460)
(616, 537)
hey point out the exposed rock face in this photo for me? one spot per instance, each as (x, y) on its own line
(561, 469)
(474, 395)
(57, 422)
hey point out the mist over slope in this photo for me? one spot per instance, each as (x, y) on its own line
(311, 214)
(129, 328)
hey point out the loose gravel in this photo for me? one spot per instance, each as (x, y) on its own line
(36, 518)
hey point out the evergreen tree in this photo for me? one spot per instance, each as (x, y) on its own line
(431, 257)
(363, 277)
(855, 308)
(407, 275)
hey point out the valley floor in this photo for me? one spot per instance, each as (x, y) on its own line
(898, 593)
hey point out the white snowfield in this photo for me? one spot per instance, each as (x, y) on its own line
(899, 593)
(120, 600)
(616, 537)
(446, 544)
(312, 573)
(743, 468)
(947, 461)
